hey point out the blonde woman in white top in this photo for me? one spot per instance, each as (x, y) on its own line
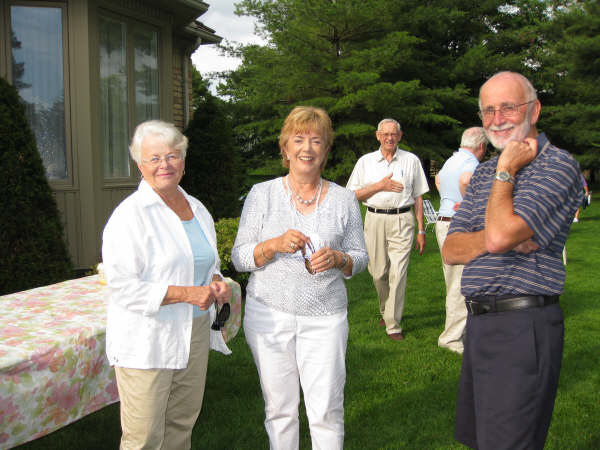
(300, 236)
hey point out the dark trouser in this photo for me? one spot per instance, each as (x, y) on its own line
(510, 369)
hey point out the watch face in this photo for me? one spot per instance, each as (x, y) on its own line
(504, 176)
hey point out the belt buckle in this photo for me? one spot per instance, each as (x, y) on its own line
(475, 308)
(470, 308)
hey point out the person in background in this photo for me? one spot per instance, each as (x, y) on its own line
(389, 181)
(300, 236)
(451, 182)
(586, 198)
(509, 233)
(162, 267)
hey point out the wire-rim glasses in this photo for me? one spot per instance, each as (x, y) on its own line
(507, 110)
(171, 158)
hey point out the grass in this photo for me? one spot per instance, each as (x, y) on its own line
(399, 395)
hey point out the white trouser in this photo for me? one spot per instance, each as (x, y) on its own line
(456, 310)
(389, 239)
(290, 351)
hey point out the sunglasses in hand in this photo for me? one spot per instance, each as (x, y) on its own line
(222, 316)
(307, 263)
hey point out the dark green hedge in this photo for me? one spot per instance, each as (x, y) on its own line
(213, 170)
(226, 231)
(32, 249)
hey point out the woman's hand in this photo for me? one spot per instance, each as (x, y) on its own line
(221, 291)
(323, 259)
(290, 242)
(202, 296)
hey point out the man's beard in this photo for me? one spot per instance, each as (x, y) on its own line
(519, 133)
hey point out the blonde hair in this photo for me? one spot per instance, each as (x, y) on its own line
(303, 119)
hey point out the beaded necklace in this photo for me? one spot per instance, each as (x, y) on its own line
(299, 198)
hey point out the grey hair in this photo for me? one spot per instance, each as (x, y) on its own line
(172, 137)
(473, 137)
(384, 121)
(530, 92)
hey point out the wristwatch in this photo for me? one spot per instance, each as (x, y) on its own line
(503, 175)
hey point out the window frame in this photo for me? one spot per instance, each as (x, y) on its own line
(130, 23)
(69, 181)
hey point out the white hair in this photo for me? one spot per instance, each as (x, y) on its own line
(530, 92)
(473, 137)
(172, 137)
(384, 121)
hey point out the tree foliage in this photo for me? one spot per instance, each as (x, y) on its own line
(32, 248)
(569, 76)
(419, 62)
(213, 173)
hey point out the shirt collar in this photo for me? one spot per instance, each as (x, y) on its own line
(467, 152)
(541, 140)
(149, 196)
(380, 156)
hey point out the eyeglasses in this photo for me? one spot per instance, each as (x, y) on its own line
(388, 135)
(222, 317)
(307, 263)
(508, 110)
(155, 161)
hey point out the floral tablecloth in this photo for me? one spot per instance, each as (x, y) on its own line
(53, 366)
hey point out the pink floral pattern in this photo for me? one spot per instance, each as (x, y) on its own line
(53, 366)
(232, 326)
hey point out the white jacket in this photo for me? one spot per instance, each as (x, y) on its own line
(145, 250)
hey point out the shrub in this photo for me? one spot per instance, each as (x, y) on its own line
(213, 164)
(226, 231)
(32, 249)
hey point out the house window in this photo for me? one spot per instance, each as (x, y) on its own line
(128, 87)
(37, 61)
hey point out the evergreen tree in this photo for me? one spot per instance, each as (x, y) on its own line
(32, 248)
(213, 171)
(363, 60)
(570, 91)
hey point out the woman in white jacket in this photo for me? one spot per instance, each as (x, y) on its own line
(162, 267)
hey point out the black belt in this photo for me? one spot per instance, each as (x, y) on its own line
(482, 305)
(389, 211)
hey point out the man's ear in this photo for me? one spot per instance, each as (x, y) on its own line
(535, 112)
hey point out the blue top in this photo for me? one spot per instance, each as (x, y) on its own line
(460, 162)
(546, 194)
(204, 256)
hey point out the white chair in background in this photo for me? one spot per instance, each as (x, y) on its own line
(430, 213)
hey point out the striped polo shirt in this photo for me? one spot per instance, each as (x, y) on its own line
(546, 194)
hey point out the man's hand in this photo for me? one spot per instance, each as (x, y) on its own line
(389, 185)
(526, 246)
(420, 243)
(517, 155)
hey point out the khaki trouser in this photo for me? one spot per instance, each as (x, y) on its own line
(456, 311)
(389, 239)
(159, 407)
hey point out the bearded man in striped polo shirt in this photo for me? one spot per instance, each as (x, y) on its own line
(509, 233)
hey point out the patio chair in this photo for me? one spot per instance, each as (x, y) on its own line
(430, 213)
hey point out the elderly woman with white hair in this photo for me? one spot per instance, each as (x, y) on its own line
(162, 266)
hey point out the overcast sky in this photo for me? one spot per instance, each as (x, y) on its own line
(221, 18)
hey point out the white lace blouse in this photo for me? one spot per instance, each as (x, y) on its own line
(284, 283)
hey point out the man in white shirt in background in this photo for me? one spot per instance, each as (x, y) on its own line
(389, 181)
(452, 182)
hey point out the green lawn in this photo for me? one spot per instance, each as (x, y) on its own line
(399, 395)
